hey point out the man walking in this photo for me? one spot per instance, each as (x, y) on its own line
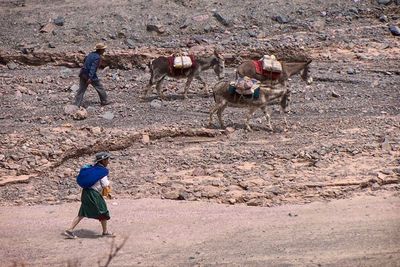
(88, 76)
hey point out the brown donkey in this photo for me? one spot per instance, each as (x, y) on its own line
(160, 68)
(248, 69)
(224, 98)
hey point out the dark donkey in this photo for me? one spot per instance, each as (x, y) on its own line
(160, 68)
(248, 68)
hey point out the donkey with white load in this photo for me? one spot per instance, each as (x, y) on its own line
(225, 95)
(164, 66)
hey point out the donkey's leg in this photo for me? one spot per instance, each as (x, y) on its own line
(267, 116)
(249, 116)
(158, 87)
(147, 89)
(188, 82)
(285, 106)
(213, 110)
(205, 86)
(152, 81)
(221, 109)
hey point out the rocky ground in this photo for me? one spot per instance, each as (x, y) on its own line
(343, 129)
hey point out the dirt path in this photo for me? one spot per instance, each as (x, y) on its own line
(363, 231)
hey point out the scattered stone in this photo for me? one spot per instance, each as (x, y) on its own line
(334, 94)
(384, 2)
(156, 103)
(108, 115)
(229, 130)
(26, 49)
(12, 65)
(351, 71)
(383, 18)
(281, 19)
(130, 43)
(24, 90)
(80, 114)
(185, 24)
(222, 19)
(65, 73)
(252, 34)
(200, 18)
(14, 179)
(51, 45)
(96, 130)
(155, 28)
(199, 172)
(375, 186)
(74, 88)
(394, 30)
(70, 109)
(174, 195)
(254, 202)
(114, 76)
(59, 21)
(184, 196)
(145, 139)
(18, 94)
(49, 27)
(208, 28)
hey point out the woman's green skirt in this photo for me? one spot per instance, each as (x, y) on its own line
(93, 205)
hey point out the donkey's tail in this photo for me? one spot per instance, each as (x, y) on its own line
(150, 65)
(215, 99)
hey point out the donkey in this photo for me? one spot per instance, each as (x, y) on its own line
(223, 98)
(159, 69)
(248, 69)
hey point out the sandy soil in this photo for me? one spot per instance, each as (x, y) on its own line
(361, 231)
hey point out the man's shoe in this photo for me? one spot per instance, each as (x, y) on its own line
(105, 103)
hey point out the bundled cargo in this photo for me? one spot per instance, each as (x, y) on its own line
(182, 62)
(246, 85)
(270, 63)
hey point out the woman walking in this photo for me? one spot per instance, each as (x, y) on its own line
(94, 181)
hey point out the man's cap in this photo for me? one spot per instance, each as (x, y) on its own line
(102, 155)
(100, 46)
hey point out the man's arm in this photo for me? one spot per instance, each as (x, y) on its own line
(93, 69)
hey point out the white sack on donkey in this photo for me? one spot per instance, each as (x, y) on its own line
(271, 64)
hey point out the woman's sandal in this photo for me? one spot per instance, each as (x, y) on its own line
(108, 234)
(69, 234)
